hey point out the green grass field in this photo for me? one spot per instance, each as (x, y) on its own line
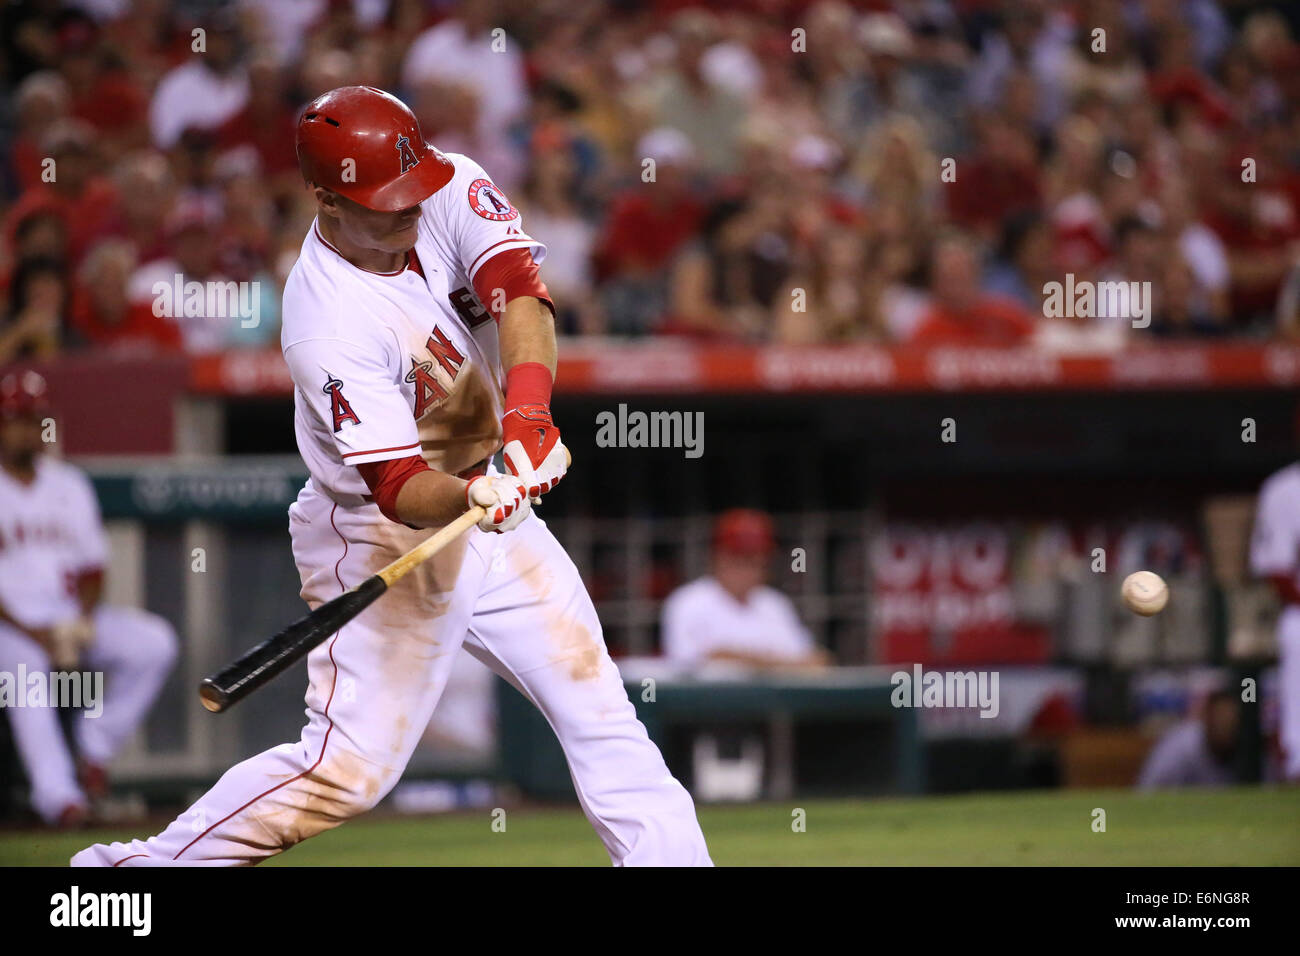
(1244, 826)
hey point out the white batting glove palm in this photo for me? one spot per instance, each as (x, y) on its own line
(539, 476)
(503, 497)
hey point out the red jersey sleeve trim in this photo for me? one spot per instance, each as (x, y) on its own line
(385, 479)
(515, 273)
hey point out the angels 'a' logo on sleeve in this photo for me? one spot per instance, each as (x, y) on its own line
(490, 202)
(340, 408)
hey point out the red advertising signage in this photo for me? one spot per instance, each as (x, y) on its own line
(943, 595)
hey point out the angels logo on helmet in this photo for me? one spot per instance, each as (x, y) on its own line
(406, 154)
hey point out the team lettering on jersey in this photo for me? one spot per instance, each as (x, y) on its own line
(467, 307)
(428, 390)
(47, 533)
(339, 406)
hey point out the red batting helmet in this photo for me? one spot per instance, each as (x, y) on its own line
(23, 393)
(744, 531)
(366, 144)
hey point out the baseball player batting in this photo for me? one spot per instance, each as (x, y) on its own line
(421, 341)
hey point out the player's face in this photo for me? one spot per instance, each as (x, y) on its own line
(390, 232)
(20, 438)
(740, 572)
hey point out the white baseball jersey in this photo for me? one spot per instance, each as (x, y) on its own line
(1275, 543)
(702, 618)
(1275, 551)
(386, 366)
(49, 531)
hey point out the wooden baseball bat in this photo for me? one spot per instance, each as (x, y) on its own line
(240, 678)
(237, 680)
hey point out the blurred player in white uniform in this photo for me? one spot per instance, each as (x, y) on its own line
(421, 341)
(52, 555)
(1275, 555)
(731, 615)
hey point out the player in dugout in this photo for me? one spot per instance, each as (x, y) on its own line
(1275, 557)
(52, 619)
(732, 614)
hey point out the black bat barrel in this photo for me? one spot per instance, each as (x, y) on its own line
(263, 662)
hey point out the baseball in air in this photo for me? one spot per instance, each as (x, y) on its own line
(1145, 593)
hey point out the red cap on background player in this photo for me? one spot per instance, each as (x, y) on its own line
(366, 145)
(23, 393)
(744, 531)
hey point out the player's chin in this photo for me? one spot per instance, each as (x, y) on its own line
(398, 241)
(404, 238)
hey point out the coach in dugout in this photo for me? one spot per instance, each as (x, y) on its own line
(52, 554)
(731, 614)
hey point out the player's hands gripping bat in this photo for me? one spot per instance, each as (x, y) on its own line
(504, 501)
(274, 655)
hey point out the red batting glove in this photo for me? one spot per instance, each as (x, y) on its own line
(533, 451)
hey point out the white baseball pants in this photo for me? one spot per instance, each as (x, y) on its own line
(516, 602)
(134, 650)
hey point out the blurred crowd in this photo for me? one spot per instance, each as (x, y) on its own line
(763, 171)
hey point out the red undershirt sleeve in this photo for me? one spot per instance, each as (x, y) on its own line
(385, 480)
(514, 273)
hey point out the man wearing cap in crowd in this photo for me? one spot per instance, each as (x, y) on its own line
(731, 614)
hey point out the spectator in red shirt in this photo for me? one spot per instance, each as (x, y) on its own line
(40, 102)
(148, 194)
(997, 181)
(1258, 223)
(266, 122)
(85, 201)
(650, 222)
(1178, 81)
(102, 313)
(961, 313)
(647, 226)
(151, 36)
(105, 95)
